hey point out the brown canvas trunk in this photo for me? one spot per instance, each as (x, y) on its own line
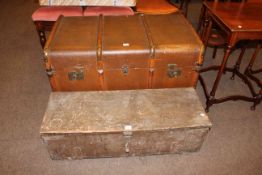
(80, 125)
(122, 52)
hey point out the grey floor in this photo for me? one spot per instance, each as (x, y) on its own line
(233, 146)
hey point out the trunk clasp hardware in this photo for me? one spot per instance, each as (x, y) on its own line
(173, 71)
(127, 134)
(50, 71)
(78, 74)
(125, 70)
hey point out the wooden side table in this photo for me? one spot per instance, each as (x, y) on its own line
(240, 21)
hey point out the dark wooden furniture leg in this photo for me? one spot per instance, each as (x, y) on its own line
(41, 32)
(214, 52)
(256, 97)
(218, 78)
(184, 6)
(249, 70)
(239, 60)
(201, 20)
(250, 73)
(206, 31)
(42, 27)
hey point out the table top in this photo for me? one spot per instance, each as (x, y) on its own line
(238, 16)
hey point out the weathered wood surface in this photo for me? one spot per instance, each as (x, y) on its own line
(89, 2)
(123, 123)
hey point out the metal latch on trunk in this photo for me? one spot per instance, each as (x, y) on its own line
(127, 134)
(125, 70)
(77, 74)
(50, 71)
(45, 56)
(173, 71)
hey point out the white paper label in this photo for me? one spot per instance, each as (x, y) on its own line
(126, 44)
(202, 114)
(115, 2)
(50, 2)
(128, 127)
(82, 2)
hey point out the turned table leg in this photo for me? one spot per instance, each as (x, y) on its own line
(210, 100)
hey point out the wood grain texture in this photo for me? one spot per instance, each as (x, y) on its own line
(123, 123)
(245, 17)
(89, 2)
